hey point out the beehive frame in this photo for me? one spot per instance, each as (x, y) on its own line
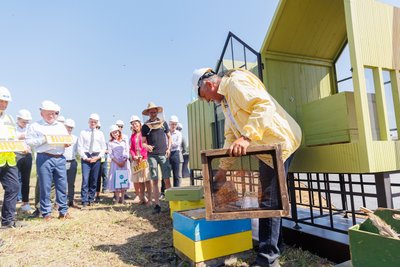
(212, 214)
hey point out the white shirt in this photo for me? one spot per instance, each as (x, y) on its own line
(71, 152)
(99, 144)
(176, 140)
(22, 131)
(35, 136)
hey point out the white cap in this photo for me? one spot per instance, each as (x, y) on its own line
(24, 114)
(135, 118)
(61, 118)
(5, 94)
(49, 105)
(113, 128)
(174, 119)
(119, 122)
(196, 76)
(69, 123)
(94, 116)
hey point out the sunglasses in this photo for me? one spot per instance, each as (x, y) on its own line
(206, 75)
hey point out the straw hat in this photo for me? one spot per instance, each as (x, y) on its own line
(151, 105)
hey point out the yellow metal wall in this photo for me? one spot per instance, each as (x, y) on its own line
(200, 117)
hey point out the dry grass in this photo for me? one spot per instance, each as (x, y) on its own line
(106, 235)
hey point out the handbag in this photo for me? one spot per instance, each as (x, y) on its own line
(121, 179)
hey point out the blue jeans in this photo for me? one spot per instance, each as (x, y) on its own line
(90, 173)
(270, 229)
(71, 176)
(176, 160)
(49, 168)
(9, 181)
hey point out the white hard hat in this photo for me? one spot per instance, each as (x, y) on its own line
(69, 123)
(174, 119)
(61, 118)
(135, 118)
(196, 76)
(113, 128)
(49, 105)
(98, 124)
(58, 108)
(24, 114)
(119, 122)
(94, 116)
(5, 94)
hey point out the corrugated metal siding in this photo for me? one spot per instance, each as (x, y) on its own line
(201, 117)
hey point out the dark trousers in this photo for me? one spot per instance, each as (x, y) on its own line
(72, 167)
(90, 173)
(102, 177)
(185, 166)
(270, 229)
(176, 160)
(24, 165)
(9, 181)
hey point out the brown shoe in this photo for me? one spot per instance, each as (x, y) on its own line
(47, 218)
(64, 216)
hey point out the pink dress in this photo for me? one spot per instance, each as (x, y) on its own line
(136, 149)
(119, 150)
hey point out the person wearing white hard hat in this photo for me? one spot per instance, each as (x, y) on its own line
(121, 125)
(157, 141)
(119, 155)
(8, 165)
(24, 158)
(252, 117)
(176, 157)
(139, 164)
(60, 118)
(71, 154)
(185, 153)
(103, 173)
(91, 148)
(50, 162)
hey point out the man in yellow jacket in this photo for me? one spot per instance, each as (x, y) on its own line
(253, 117)
(8, 164)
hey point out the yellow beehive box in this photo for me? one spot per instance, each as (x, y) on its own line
(185, 205)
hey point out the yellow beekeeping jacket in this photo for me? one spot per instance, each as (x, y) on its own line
(250, 111)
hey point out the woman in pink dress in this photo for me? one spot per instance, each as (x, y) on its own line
(140, 169)
(119, 154)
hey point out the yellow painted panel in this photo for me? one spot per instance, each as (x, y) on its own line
(293, 84)
(375, 28)
(311, 28)
(385, 156)
(338, 158)
(214, 247)
(185, 205)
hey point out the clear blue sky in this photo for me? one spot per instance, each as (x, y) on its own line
(113, 57)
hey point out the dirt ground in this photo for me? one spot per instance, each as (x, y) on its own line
(107, 235)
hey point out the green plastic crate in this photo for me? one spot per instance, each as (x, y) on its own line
(190, 193)
(368, 248)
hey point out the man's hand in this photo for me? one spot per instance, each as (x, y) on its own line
(239, 147)
(167, 153)
(149, 148)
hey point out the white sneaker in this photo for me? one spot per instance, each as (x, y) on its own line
(26, 208)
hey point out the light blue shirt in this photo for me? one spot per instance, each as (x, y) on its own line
(36, 136)
(71, 152)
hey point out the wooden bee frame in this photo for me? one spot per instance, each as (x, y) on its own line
(232, 210)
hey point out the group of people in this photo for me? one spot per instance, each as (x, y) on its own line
(252, 117)
(133, 161)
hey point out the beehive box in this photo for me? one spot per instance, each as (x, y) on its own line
(368, 248)
(190, 193)
(185, 205)
(240, 196)
(201, 240)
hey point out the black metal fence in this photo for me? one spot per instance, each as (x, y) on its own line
(333, 201)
